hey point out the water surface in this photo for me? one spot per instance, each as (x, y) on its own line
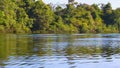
(60, 51)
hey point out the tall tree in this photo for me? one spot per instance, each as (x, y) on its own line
(107, 14)
(8, 10)
(116, 18)
(43, 16)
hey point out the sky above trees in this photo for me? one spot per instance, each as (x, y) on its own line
(115, 3)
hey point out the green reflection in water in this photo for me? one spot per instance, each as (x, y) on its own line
(6, 44)
(28, 45)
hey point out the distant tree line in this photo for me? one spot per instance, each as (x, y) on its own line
(31, 16)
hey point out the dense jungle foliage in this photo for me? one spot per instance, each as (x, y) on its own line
(30, 16)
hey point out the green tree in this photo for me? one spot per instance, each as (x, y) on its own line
(42, 15)
(2, 21)
(107, 14)
(24, 16)
(9, 14)
(116, 18)
(23, 22)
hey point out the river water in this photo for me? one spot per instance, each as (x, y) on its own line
(60, 51)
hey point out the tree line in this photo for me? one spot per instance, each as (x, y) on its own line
(31, 16)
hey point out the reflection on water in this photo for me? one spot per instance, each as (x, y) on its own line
(60, 51)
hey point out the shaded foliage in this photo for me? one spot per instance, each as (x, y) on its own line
(31, 16)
